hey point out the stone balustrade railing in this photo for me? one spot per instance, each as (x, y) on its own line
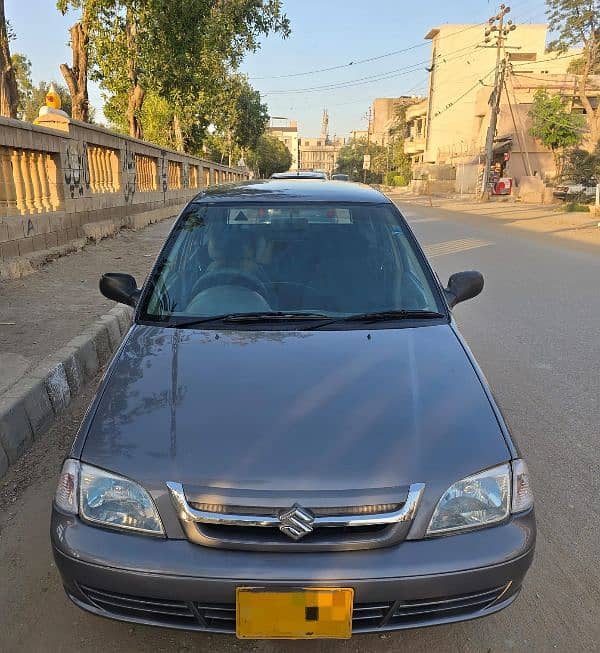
(54, 183)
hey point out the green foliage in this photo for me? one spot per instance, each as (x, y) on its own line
(156, 115)
(577, 65)
(576, 207)
(553, 124)
(575, 23)
(251, 116)
(22, 67)
(270, 155)
(350, 161)
(183, 52)
(392, 178)
(580, 165)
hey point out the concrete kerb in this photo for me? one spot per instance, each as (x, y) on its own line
(30, 407)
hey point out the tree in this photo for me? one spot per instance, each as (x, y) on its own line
(22, 68)
(76, 75)
(9, 94)
(269, 156)
(554, 125)
(156, 116)
(580, 165)
(577, 24)
(350, 160)
(179, 50)
(399, 163)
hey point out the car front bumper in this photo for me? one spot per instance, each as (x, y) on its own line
(178, 584)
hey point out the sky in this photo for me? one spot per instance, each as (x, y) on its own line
(325, 34)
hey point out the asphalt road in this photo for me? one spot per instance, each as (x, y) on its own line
(535, 331)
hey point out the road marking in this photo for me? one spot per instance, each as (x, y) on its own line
(454, 246)
(422, 220)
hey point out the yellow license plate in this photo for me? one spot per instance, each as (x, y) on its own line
(309, 613)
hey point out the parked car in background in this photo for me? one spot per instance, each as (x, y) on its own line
(340, 177)
(300, 174)
(572, 190)
(293, 440)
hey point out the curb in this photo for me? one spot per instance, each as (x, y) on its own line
(30, 407)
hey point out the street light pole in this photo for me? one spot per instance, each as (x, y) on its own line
(496, 24)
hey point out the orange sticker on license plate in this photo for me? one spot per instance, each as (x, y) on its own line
(309, 613)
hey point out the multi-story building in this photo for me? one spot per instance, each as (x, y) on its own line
(449, 127)
(287, 132)
(319, 153)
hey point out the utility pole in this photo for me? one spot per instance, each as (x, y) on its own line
(496, 24)
(368, 143)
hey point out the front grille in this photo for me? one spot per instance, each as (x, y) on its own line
(296, 527)
(221, 617)
(340, 511)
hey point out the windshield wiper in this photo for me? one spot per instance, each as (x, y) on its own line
(248, 318)
(382, 316)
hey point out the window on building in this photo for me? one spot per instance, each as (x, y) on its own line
(522, 56)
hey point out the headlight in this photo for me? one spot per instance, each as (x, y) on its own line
(106, 499)
(478, 500)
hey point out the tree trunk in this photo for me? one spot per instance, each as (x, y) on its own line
(9, 94)
(592, 116)
(178, 134)
(76, 75)
(136, 93)
(134, 106)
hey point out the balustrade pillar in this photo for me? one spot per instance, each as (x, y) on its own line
(43, 174)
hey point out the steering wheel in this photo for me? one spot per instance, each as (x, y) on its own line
(231, 277)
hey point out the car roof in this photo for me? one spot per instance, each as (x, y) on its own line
(298, 190)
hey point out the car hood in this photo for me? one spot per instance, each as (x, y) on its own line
(294, 411)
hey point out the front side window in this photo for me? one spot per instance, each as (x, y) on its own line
(327, 259)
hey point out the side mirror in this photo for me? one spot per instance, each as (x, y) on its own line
(463, 286)
(120, 288)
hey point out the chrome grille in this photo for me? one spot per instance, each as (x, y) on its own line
(341, 511)
(221, 617)
(319, 528)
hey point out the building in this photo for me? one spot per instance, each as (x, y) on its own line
(320, 153)
(516, 153)
(448, 128)
(287, 132)
(384, 115)
(358, 135)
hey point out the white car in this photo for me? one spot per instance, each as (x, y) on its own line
(572, 189)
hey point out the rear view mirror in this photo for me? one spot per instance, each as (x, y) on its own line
(120, 288)
(463, 286)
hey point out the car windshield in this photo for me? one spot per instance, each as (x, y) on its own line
(326, 260)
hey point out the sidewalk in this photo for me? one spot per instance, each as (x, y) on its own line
(541, 218)
(42, 313)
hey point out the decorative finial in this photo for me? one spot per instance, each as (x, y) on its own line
(53, 98)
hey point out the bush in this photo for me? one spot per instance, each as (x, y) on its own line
(576, 207)
(392, 178)
(401, 180)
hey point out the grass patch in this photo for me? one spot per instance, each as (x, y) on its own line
(576, 207)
